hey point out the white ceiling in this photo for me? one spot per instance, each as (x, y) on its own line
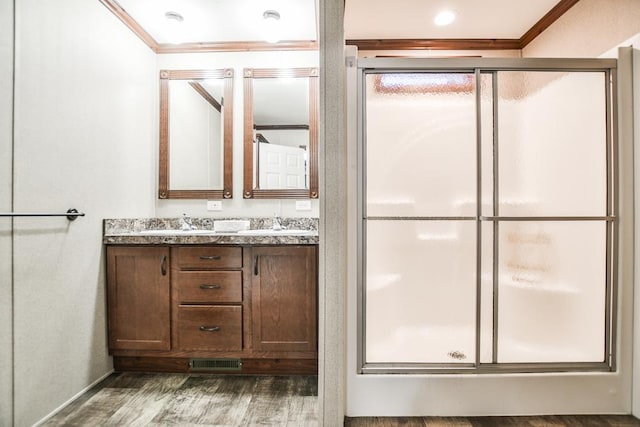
(242, 20)
(413, 19)
(223, 20)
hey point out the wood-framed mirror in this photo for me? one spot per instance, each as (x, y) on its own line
(196, 134)
(280, 133)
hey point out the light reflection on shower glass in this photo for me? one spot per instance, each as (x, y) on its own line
(551, 292)
(420, 144)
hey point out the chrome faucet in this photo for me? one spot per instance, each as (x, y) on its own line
(277, 223)
(186, 223)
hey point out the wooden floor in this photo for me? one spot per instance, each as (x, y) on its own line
(538, 421)
(133, 399)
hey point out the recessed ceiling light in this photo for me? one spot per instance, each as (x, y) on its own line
(174, 16)
(271, 14)
(445, 17)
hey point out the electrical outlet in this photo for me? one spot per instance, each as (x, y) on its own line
(214, 205)
(303, 205)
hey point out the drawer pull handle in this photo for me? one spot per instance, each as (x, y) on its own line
(209, 328)
(163, 265)
(255, 265)
(203, 286)
(210, 257)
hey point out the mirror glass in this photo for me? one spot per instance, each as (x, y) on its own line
(195, 134)
(280, 133)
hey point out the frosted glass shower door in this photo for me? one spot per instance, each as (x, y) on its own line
(488, 218)
(553, 217)
(419, 210)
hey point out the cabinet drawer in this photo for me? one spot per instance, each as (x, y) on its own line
(209, 286)
(207, 257)
(211, 327)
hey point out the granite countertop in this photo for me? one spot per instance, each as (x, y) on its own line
(167, 231)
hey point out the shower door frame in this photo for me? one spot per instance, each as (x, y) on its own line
(478, 66)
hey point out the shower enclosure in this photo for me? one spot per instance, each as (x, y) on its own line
(487, 205)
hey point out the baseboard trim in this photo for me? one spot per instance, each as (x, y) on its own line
(77, 395)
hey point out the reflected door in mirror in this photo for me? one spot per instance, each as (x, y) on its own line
(280, 133)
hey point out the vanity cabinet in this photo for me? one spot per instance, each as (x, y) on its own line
(283, 287)
(171, 305)
(138, 298)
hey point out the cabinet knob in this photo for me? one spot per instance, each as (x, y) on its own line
(209, 328)
(203, 286)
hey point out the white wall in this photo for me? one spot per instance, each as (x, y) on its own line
(6, 152)
(237, 206)
(84, 138)
(587, 30)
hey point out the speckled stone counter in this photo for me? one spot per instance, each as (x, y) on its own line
(136, 231)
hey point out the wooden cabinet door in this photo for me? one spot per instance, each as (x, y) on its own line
(138, 298)
(284, 289)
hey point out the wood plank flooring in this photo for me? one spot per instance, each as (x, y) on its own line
(537, 421)
(135, 399)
